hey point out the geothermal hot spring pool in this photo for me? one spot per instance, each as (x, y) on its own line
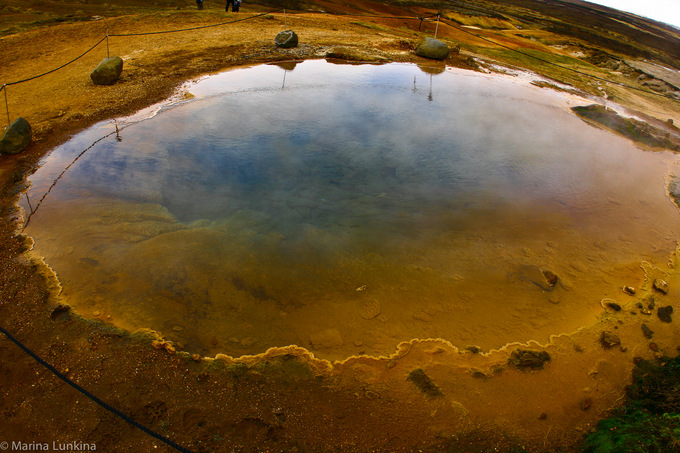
(348, 208)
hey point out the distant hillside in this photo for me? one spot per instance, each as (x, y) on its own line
(600, 27)
(605, 27)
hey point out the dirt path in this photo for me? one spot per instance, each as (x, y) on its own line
(286, 401)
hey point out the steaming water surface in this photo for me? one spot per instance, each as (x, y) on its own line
(348, 208)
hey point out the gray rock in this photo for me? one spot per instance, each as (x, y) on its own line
(613, 305)
(432, 48)
(665, 313)
(108, 71)
(424, 383)
(661, 285)
(609, 340)
(16, 138)
(286, 39)
(629, 290)
(526, 360)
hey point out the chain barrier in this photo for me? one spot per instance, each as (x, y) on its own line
(200, 27)
(92, 397)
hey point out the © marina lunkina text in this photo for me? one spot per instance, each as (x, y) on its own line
(53, 446)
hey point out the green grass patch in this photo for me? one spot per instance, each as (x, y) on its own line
(545, 63)
(650, 420)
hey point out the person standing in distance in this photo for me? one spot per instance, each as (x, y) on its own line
(232, 6)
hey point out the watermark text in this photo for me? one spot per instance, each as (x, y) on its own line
(53, 446)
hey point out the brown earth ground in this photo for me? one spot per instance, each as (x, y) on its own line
(286, 400)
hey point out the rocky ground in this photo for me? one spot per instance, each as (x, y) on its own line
(427, 397)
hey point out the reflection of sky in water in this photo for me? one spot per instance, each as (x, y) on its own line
(357, 146)
(288, 200)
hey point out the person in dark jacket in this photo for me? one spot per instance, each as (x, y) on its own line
(232, 5)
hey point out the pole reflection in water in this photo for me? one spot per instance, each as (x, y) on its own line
(346, 213)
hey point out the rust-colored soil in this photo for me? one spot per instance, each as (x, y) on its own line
(286, 400)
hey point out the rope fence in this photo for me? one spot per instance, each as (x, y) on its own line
(108, 35)
(106, 38)
(421, 18)
(92, 397)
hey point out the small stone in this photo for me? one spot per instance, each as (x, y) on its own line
(543, 416)
(664, 313)
(609, 340)
(286, 39)
(479, 374)
(586, 403)
(16, 138)
(108, 71)
(473, 349)
(177, 328)
(629, 290)
(432, 48)
(654, 347)
(661, 285)
(424, 383)
(550, 277)
(525, 359)
(646, 331)
(196, 357)
(613, 305)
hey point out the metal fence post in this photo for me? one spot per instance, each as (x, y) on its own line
(4, 87)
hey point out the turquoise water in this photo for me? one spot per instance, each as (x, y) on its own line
(347, 208)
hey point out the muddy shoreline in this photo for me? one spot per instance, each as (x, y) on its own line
(284, 400)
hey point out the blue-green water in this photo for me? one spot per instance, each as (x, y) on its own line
(347, 208)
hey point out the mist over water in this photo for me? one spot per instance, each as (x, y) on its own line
(347, 208)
